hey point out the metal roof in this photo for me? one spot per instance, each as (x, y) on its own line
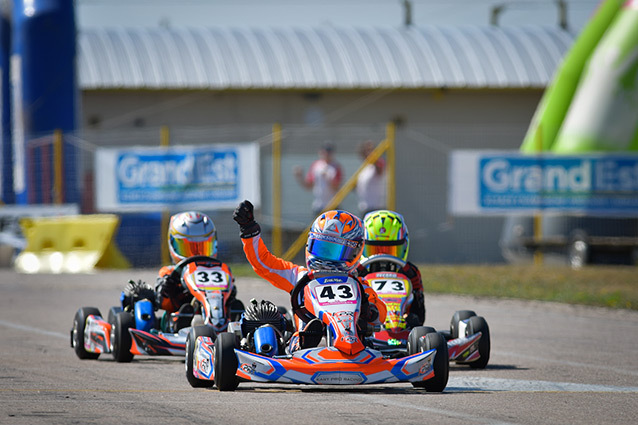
(320, 58)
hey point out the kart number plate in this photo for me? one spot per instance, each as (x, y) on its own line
(336, 293)
(210, 278)
(394, 286)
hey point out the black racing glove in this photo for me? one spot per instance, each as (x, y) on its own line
(243, 215)
(166, 287)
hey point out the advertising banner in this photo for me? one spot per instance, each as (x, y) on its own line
(177, 177)
(488, 182)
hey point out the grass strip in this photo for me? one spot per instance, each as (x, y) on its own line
(603, 286)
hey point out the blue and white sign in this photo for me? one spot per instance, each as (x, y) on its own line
(485, 182)
(210, 177)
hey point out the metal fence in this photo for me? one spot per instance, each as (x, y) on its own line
(421, 184)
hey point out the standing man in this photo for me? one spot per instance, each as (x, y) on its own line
(371, 184)
(323, 178)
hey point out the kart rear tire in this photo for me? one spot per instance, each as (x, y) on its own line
(479, 324)
(191, 340)
(77, 333)
(226, 362)
(435, 340)
(121, 338)
(459, 316)
(414, 337)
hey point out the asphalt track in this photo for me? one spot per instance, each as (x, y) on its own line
(550, 364)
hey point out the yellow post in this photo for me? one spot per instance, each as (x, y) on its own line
(276, 190)
(165, 136)
(538, 217)
(58, 181)
(165, 141)
(339, 197)
(390, 172)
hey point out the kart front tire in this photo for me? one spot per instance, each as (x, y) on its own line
(121, 338)
(415, 335)
(435, 340)
(225, 362)
(77, 333)
(475, 325)
(191, 342)
(459, 316)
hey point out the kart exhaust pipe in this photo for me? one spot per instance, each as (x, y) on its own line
(265, 340)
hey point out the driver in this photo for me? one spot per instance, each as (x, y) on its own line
(189, 233)
(338, 226)
(386, 233)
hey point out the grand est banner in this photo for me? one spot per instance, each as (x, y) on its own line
(178, 177)
(490, 182)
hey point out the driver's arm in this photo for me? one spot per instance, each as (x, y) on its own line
(166, 289)
(281, 273)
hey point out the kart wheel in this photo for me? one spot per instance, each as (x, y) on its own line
(225, 362)
(414, 337)
(77, 333)
(121, 338)
(112, 312)
(435, 340)
(479, 324)
(191, 340)
(459, 316)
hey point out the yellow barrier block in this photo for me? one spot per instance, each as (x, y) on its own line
(70, 244)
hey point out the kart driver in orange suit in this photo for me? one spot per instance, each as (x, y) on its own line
(323, 254)
(190, 233)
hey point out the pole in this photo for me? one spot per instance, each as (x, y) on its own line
(165, 141)
(58, 168)
(390, 132)
(276, 189)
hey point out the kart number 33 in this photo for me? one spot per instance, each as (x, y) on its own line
(210, 278)
(335, 293)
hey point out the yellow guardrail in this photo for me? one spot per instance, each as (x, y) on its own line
(70, 244)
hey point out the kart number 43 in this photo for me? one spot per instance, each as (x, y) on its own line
(339, 293)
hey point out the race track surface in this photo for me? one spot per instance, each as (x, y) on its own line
(550, 364)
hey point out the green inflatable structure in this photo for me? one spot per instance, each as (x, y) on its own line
(592, 103)
(591, 106)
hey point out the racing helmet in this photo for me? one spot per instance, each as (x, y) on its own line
(335, 242)
(191, 233)
(385, 233)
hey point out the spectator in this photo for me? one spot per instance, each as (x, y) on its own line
(323, 178)
(371, 186)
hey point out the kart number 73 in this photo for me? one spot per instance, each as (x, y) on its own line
(394, 286)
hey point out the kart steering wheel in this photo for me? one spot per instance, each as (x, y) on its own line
(179, 267)
(378, 258)
(297, 298)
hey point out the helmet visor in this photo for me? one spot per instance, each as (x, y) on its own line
(187, 248)
(332, 248)
(393, 248)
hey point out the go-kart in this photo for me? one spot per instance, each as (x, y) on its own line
(133, 329)
(468, 340)
(255, 353)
